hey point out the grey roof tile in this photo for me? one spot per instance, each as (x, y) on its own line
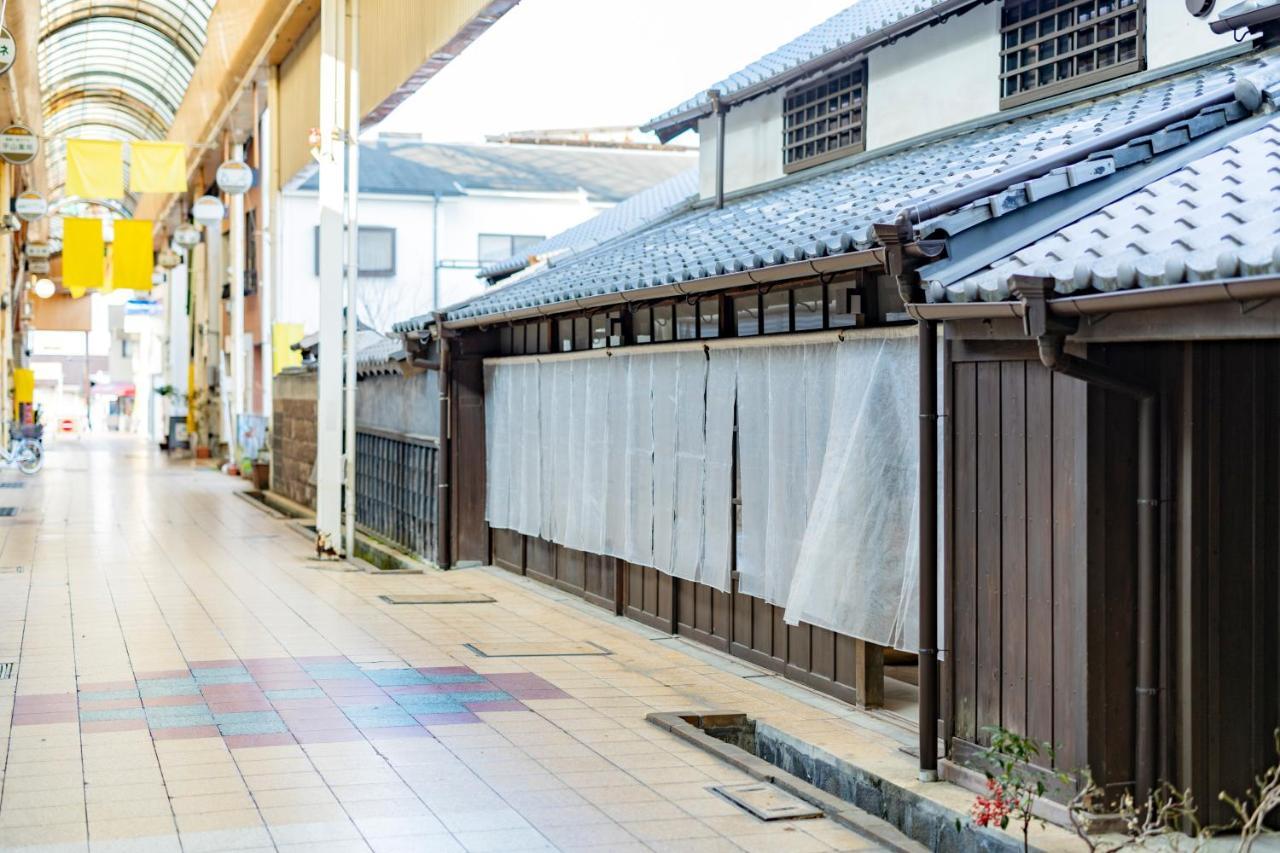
(857, 21)
(413, 167)
(641, 209)
(1217, 217)
(832, 212)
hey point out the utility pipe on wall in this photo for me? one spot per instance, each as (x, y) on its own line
(1050, 338)
(444, 540)
(718, 110)
(266, 257)
(928, 479)
(353, 269)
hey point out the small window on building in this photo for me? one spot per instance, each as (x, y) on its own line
(499, 247)
(844, 305)
(822, 119)
(564, 334)
(504, 340)
(599, 330)
(581, 333)
(1053, 46)
(709, 318)
(746, 310)
(664, 327)
(377, 251)
(642, 325)
(615, 328)
(686, 322)
(544, 337)
(777, 311)
(808, 308)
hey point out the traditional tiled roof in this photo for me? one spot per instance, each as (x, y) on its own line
(412, 167)
(861, 21)
(1217, 217)
(832, 212)
(641, 209)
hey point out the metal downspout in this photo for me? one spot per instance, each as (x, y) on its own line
(928, 474)
(718, 109)
(1050, 338)
(444, 540)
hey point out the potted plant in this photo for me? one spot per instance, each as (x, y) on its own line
(262, 470)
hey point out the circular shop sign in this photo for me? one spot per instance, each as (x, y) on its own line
(30, 206)
(168, 258)
(8, 50)
(235, 177)
(207, 210)
(18, 145)
(186, 235)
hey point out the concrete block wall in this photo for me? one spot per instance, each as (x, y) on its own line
(293, 436)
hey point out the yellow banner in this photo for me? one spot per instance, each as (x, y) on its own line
(83, 265)
(132, 261)
(24, 388)
(157, 167)
(95, 168)
(284, 336)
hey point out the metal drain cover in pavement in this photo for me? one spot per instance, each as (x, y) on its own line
(6, 511)
(12, 484)
(536, 650)
(6, 670)
(439, 598)
(767, 802)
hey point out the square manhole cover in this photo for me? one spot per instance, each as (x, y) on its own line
(12, 484)
(439, 598)
(6, 670)
(537, 650)
(767, 802)
(7, 511)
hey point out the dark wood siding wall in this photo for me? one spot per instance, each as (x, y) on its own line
(1041, 558)
(742, 625)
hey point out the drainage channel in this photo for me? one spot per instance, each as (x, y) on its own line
(798, 774)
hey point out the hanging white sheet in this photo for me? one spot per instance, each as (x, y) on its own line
(621, 456)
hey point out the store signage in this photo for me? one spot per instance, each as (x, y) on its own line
(30, 206)
(207, 210)
(18, 145)
(8, 50)
(38, 266)
(39, 250)
(168, 259)
(235, 177)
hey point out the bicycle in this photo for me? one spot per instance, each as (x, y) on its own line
(26, 453)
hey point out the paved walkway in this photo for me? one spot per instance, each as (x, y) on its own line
(187, 678)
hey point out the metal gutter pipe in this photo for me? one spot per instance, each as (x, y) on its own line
(444, 541)
(353, 274)
(1050, 338)
(928, 479)
(713, 95)
(826, 265)
(1244, 90)
(1238, 290)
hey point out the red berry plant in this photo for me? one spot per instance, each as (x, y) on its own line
(1012, 788)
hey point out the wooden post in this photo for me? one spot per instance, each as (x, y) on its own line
(868, 674)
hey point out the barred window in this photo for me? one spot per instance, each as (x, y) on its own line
(1053, 46)
(822, 120)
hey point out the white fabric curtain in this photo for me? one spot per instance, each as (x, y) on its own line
(623, 456)
(632, 455)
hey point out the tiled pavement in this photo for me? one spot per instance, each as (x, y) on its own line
(188, 679)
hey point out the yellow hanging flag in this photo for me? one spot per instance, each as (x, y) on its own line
(132, 261)
(24, 389)
(95, 168)
(157, 167)
(83, 265)
(283, 337)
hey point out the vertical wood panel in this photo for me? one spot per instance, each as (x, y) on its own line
(988, 546)
(1013, 551)
(965, 526)
(1040, 639)
(1070, 408)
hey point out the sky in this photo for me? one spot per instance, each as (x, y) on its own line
(594, 63)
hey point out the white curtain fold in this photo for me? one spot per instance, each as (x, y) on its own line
(632, 457)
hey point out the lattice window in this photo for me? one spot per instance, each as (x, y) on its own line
(1052, 46)
(822, 120)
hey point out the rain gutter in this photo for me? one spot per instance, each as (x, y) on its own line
(765, 275)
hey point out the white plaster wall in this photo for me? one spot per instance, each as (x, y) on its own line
(936, 77)
(461, 220)
(753, 147)
(1174, 35)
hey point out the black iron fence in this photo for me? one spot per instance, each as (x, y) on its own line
(396, 488)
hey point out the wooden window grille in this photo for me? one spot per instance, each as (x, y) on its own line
(1053, 46)
(822, 120)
